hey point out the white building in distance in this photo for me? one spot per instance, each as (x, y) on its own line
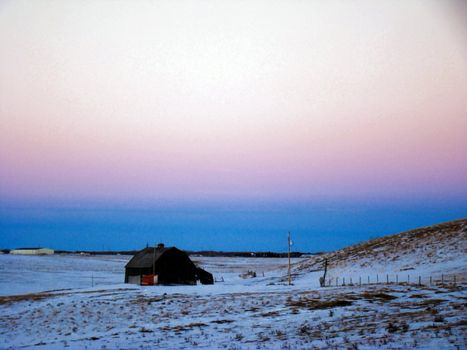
(32, 251)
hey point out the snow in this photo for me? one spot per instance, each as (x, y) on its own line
(255, 313)
(21, 274)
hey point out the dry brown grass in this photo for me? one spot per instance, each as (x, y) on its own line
(44, 295)
(269, 314)
(317, 304)
(25, 297)
(221, 321)
(431, 302)
(183, 328)
(378, 296)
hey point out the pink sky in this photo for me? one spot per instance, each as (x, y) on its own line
(220, 99)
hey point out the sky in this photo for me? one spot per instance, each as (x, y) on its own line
(190, 120)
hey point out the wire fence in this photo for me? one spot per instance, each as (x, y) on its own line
(405, 279)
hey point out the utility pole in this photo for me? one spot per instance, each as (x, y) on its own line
(289, 270)
(154, 261)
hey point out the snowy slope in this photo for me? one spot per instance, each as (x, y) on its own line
(429, 251)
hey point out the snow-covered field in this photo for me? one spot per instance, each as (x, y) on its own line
(29, 274)
(238, 313)
(79, 302)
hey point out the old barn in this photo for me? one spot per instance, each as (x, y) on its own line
(162, 265)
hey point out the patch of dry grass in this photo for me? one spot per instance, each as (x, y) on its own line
(44, 295)
(379, 296)
(221, 321)
(183, 328)
(317, 304)
(25, 297)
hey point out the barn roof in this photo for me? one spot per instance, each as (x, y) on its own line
(147, 257)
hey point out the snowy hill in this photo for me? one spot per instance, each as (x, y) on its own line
(433, 250)
(90, 308)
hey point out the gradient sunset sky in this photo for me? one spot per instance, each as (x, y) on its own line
(232, 101)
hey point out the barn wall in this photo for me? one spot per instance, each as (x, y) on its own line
(134, 279)
(175, 267)
(136, 272)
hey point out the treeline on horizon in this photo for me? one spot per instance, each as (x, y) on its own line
(207, 253)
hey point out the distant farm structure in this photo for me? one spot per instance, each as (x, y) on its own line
(161, 265)
(32, 251)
